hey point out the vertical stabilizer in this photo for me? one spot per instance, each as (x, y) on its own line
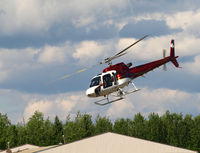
(172, 54)
(172, 49)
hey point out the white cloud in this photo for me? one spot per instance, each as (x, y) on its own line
(56, 104)
(188, 21)
(145, 101)
(155, 100)
(187, 41)
(43, 106)
(159, 100)
(193, 67)
(35, 15)
(53, 54)
(89, 51)
(149, 49)
(121, 109)
(21, 15)
(16, 62)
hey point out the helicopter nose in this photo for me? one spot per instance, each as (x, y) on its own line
(90, 92)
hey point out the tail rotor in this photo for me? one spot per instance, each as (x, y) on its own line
(164, 55)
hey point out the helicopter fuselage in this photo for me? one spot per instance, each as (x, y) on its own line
(115, 77)
(118, 76)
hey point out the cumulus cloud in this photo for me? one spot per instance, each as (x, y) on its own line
(155, 100)
(193, 67)
(187, 20)
(89, 51)
(159, 100)
(121, 108)
(149, 49)
(186, 38)
(145, 101)
(55, 54)
(41, 106)
(21, 16)
(36, 16)
(57, 104)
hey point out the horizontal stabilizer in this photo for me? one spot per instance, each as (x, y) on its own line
(174, 61)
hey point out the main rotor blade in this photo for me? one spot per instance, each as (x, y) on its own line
(67, 76)
(132, 45)
(121, 53)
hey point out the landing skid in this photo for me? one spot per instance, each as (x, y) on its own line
(129, 92)
(120, 94)
(108, 102)
(124, 93)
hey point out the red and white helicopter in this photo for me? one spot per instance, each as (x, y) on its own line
(115, 77)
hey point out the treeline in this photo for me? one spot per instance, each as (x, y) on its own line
(170, 128)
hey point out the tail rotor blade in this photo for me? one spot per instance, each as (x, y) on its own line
(164, 67)
(164, 55)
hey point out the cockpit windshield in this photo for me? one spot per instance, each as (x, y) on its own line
(95, 81)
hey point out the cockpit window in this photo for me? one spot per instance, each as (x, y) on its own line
(95, 82)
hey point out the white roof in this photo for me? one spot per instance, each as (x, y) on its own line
(115, 143)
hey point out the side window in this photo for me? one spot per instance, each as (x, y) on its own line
(107, 81)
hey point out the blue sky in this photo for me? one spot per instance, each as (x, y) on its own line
(42, 40)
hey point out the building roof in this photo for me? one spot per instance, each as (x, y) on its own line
(115, 143)
(27, 148)
(22, 148)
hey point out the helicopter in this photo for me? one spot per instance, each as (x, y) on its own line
(115, 77)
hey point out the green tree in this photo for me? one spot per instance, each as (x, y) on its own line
(102, 124)
(58, 130)
(22, 134)
(69, 129)
(48, 133)
(82, 127)
(87, 125)
(172, 123)
(121, 126)
(138, 126)
(155, 128)
(195, 134)
(12, 136)
(35, 129)
(4, 125)
(184, 132)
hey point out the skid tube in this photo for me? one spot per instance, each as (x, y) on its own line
(108, 102)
